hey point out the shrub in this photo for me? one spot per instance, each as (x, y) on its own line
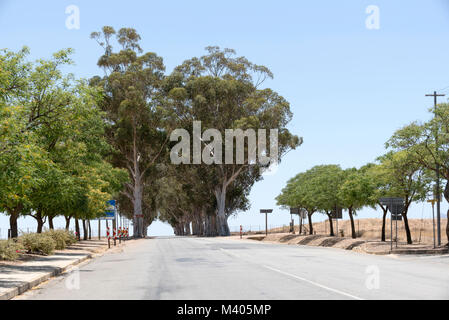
(9, 250)
(38, 243)
(71, 238)
(62, 238)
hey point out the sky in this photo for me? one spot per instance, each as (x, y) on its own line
(350, 87)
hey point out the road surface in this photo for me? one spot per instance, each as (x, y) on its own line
(225, 269)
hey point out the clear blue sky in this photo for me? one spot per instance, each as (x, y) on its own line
(349, 87)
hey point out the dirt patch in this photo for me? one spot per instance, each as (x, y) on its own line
(288, 238)
(309, 239)
(275, 237)
(256, 238)
(330, 242)
(354, 245)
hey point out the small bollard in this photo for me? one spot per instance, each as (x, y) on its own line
(109, 238)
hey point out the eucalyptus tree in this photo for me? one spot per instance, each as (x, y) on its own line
(132, 102)
(224, 93)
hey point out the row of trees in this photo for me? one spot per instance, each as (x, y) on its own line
(406, 171)
(52, 146)
(67, 146)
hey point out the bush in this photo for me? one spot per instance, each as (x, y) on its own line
(62, 238)
(59, 237)
(71, 238)
(9, 250)
(38, 243)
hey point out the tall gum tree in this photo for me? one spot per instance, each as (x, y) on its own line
(133, 105)
(224, 92)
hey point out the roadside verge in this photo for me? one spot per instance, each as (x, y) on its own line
(357, 245)
(27, 273)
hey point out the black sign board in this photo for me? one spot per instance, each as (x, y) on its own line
(337, 214)
(295, 211)
(266, 211)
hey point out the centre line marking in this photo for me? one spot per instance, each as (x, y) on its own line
(315, 284)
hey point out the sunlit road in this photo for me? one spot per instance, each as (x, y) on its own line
(222, 269)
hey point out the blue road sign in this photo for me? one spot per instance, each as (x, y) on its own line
(111, 210)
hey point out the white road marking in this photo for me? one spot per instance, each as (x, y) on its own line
(315, 284)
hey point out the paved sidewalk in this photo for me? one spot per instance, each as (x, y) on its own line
(20, 276)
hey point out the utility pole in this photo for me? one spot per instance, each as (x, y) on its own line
(435, 95)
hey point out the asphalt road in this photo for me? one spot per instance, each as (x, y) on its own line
(224, 269)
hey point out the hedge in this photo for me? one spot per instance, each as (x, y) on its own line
(10, 250)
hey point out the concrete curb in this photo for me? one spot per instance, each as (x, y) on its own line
(13, 292)
(40, 279)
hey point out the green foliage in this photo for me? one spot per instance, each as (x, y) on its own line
(35, 243)
(356, 190)
(62, 238)
(10, 250)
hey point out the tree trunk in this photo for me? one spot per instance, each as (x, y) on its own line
(77, 229)
(90, 230)
(67, 222)
(85, 235)
(447, 228)
(187, 229)
(384, 221)
(40, 221)
(446, 196)
(14, 216)
(354, 234)
(407, 229)
(138, 212)
(331, 225)
(50, 223)
(310, 223)
(222, 220)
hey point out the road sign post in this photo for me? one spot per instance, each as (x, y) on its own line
(266, 211)
(433, 201)
(396, 208)
(337, 214)
(301, 214)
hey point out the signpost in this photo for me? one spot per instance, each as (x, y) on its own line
(109, 215)
(337, 214)
(433, 220)
(302, 215)
(396, 208)
(266, 211)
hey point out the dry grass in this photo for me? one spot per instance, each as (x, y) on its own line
(370, 229)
